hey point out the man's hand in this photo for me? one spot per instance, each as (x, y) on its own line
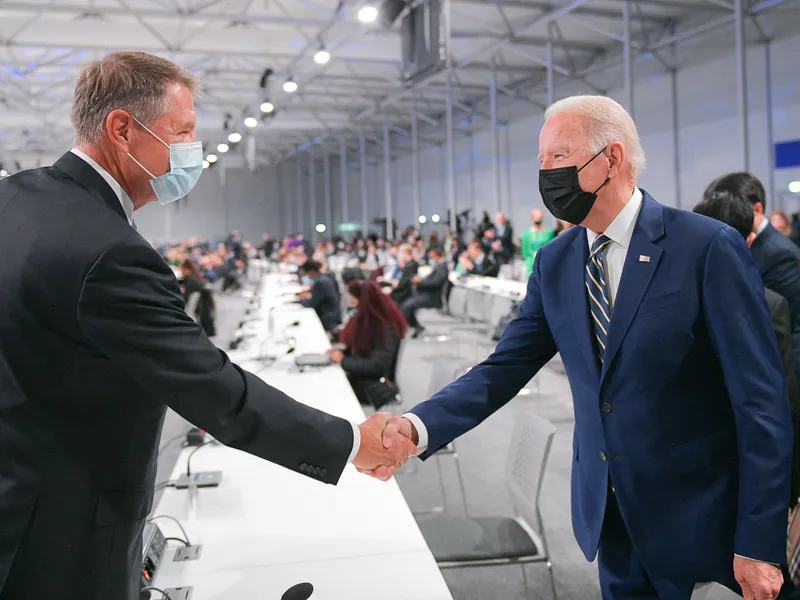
(759, 580)
(398, 432)
(416, 279)
(336, 355)
(374, 457)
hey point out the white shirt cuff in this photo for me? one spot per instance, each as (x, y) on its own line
(422, 432)
(356, 443)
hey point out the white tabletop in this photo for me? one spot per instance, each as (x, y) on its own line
(266, 528)
(491, 285)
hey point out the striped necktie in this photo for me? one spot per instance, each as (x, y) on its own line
(598, 294)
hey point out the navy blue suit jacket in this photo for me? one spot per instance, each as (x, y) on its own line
(698, 439)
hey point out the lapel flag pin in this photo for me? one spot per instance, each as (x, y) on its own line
(643, 258)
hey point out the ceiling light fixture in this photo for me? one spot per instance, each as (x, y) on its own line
(223, 148)
(368, 14)
(794, 187)
(267, 107)
(251, 122)
(289, 86)
(212, 158)
(235, 138)
(206, 164)
(322, 56)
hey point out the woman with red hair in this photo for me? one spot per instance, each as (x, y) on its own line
(372, 339)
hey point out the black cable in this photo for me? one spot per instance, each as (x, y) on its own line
(164, 484)
(174, 539)
(172, 440)
(152, 588)
(191, 454)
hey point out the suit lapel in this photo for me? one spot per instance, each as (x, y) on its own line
(636, 275)
(579, 301)
(78, 169)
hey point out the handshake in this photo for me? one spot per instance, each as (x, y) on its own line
(386, 444)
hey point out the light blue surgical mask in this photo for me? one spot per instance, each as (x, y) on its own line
(431, 262)
(185, 168)
(306, 280)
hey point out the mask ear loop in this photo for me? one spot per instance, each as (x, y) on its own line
(590, 160)
(155, 136)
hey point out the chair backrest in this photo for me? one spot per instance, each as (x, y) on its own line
(527, 460)
(458, 301)
(395, 362)
(445, 371)
(500, 308)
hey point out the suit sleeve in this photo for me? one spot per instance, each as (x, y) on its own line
(130, 309)
(526, 345)
(433, 281)
(739, 326)
(781, 316)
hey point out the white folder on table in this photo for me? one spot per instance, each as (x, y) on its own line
(713, 591)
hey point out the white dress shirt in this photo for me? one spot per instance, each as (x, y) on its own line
(620, 232)
(127, 206)
(124, 199)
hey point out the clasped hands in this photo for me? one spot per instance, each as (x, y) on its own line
(386, 443)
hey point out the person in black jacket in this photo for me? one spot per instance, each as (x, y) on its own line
(95, 344)
(776, 256)
(194, 283)
(733, 210)
(404, 288)
(475, 261)
(323, 296)
(428, 292)
(372, 339)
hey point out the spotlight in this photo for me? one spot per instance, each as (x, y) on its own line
(235, 138)
(290, 86)
(212, 158)
(3, 173)
(368, 14)
(251, 122)
(223, 148)
(794, 187)
(320, 228)
(422, 219)
(267, 107)
(322, 56)
(206, 164)
(436, 218)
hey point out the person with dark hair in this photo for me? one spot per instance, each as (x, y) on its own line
(736, 212)
(776, 256)
(475, 261)
(194, 283)
(402, 288)
(428, 292)
(372, 339)
(322, 295)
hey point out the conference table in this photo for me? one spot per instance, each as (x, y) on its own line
(265, 529)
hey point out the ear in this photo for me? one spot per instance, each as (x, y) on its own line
(119, 127)
(616, 158)
(758, 208)
(750, 239)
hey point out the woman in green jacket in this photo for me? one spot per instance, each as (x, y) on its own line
(534, 238)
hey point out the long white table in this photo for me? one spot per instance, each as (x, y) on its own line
(484, 299)
(266, 528)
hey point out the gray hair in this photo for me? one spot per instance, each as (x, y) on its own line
(135, 82)
(607, 121)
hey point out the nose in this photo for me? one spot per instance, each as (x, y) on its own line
(547, 163)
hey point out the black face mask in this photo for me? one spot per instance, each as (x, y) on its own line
(562, 193)
(537, 223)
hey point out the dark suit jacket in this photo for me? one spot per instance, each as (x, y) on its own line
(325, 300)
(404, 287)
(489, 267)
(778, 262)
(430, 288)
(95, 343)
(688, 414)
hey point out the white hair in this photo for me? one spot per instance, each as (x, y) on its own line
(607, 121)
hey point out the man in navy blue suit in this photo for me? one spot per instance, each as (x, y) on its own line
(682, 443)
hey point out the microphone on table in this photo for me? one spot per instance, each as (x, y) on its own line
(301, 591)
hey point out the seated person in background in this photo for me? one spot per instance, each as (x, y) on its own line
(372, 340)
(428, 293)
(477, 262)
(402, 287)
(322, 297)
(194, 283)
(735, 211)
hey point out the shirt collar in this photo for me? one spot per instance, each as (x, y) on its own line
(124, 199)
(621, 228)
(762, 226)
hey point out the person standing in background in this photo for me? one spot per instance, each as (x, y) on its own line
(534, 238)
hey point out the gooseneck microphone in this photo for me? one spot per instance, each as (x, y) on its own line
(301, 591)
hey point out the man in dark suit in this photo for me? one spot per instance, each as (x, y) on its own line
(775, 255)
(683, 440)
(477, 261)
(428, 292)
(95, 343)
(499, 240)
(404, 288)
(733, 210)
(323, 296)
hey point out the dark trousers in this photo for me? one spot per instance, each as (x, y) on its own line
(410, 306)
(622, 574)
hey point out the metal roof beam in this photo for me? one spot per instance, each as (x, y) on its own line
(589, 11)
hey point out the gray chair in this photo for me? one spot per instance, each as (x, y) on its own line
(492, 541)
